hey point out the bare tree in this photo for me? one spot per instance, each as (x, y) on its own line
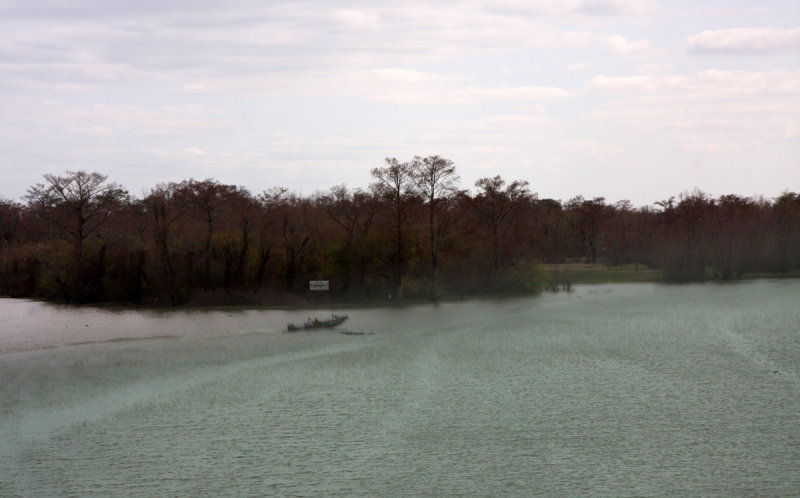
(435, 180)
(589, 219)
(209, 196)
(786, 214)
(10, 217)
(354, 212)
(165, 205)
(76, 206)
(395, 185)
(496, 205)
(242, 217)
(78, 203)
(294, 222)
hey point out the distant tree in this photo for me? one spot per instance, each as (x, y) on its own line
(620, 233)
(786, 215)
(264, 235)
(683, 255)
(590, 215)
(10, 217)
(394, 184)
(552, 230)
(354, 213)
(208, 196)
(18, 266)
(732, 232)
(294, 222)
(241, 216)
(496, 205)
(80, 237)
(435, 180)
(165, 206)
(644, 235)
(78, 203)
(75, 207)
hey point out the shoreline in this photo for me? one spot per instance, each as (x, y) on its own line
(554, 278)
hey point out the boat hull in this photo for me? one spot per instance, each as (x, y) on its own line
(320, 324)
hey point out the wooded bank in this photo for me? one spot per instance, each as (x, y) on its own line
(413, 234)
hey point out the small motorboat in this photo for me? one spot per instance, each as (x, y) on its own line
(334, 321)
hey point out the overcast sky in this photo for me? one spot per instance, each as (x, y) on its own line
(626, 99)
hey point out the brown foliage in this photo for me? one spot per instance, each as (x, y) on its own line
(80, 238)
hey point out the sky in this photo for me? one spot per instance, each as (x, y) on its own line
(625, 99)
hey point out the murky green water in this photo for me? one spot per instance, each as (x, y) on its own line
(619, 390)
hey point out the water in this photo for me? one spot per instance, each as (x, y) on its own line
(615, 390)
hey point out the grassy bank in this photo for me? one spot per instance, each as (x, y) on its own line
(788, 274)
(561, 275)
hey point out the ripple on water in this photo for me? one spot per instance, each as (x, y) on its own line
(625, 390)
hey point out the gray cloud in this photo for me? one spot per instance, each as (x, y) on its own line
(253, 92)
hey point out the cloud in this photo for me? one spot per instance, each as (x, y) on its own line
(708, 110)
(36, 115)
(590, 149)
(167, 122)
(189, 154)
(257, 47)
(615, 7)
(712, 85)
(622, 46)
(480, 147)
(712, 128)
(625, 84)
(47, 134)
(744, 41)
(195, 151)
(405, 76)
(176, 87)
(565, 7)
(409, 86)
(367, 19)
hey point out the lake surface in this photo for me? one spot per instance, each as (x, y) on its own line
(610, 390)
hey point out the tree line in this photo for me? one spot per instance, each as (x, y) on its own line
(414, 233)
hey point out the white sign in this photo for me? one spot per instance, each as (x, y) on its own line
(318, 285)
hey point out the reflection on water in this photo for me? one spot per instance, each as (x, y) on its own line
(610, 390)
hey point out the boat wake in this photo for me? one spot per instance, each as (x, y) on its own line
(746, 349)
(124, 339)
